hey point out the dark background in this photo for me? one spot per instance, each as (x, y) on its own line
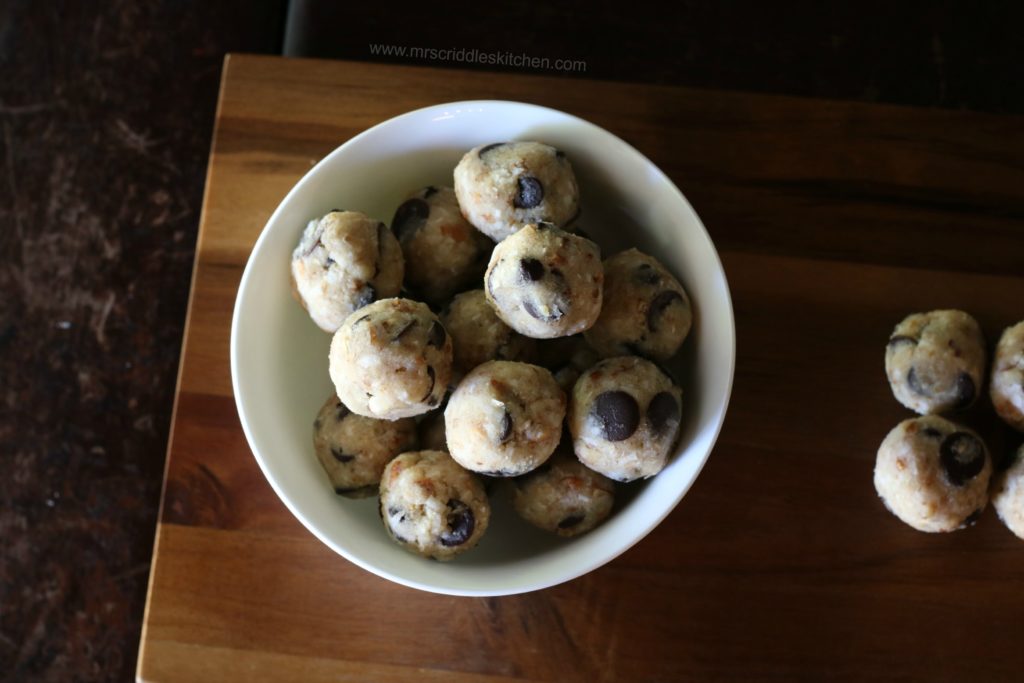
(106, 114)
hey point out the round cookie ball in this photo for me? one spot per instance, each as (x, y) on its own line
(353, 449)
(544, 282)
(505, 185)
(479, 335)
(935, 361)
(344, 261)
(431, 506)
(624, 416)
(564, 497)
(505, 418)
(443, 253)
(1007, 386)
(391, 359)
(646, 312)
(933, 474)
(1008, 495)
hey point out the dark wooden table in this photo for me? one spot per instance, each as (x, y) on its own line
(833, 220)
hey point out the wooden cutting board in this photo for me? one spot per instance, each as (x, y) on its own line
(834, 220)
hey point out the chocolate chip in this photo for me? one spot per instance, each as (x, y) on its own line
(530, 193)
(436, 335)
(362, 319)
(329, 262)
(366, 296)
(433, 380)
(915, 384)
(409, 217)
(341, 411)
(570, 521)
(403, 330)
(962, 456)
(901, 339)
(617, 413)
(487, 148)
(645, 274)
(460, 524)
(932, 432)
(530, 269)
(662, 409)
(431, 190)
(965, 391)
(342, 457)
(506, 427)
(393, 511)
(658, 306)
(972, 518)
(532, 310)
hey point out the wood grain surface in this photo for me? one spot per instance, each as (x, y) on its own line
(833, 220)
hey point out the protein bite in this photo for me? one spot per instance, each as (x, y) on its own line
(933, 474)
(344, 261)
(443, 253)
(392, 359)
(479, 335)
(1007, 386)
(505, 418)
(544, 282)
(935, 361)
(564, 497)
(645, 312)
(431, 506)
(624, 416)
(505, 185)
(1008, 495)
(353, 449)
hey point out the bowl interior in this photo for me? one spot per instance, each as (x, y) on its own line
(279, 357)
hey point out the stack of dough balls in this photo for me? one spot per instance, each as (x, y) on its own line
(480, 336)
(931, 472)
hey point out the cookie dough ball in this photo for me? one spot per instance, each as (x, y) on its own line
(624, 417)
(345, 261)
(443, 253)
(935, 361)
(564, 497)
(479, 335)
(505, 185)
(544, 282)
(646, 311)
(1008, 495)
(353, 449)
(505, 418)
(933, 474)
(391, 359)
(1007, 386)
(431, 506)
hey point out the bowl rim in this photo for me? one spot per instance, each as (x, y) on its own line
(526, 587)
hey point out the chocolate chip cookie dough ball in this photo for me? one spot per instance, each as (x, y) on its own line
(624, 417)
(933, 474)
(935, 361)
(1008, 495)
(564, 497)
(505, 185)
(431, 506)
(1007, 386)
(544, 282)
(505, 418)
(353, 449)
(479, 335)
(443, 253)
(646, 311)
(391, 359)
(345, 261)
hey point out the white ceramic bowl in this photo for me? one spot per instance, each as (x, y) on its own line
(279, 357)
